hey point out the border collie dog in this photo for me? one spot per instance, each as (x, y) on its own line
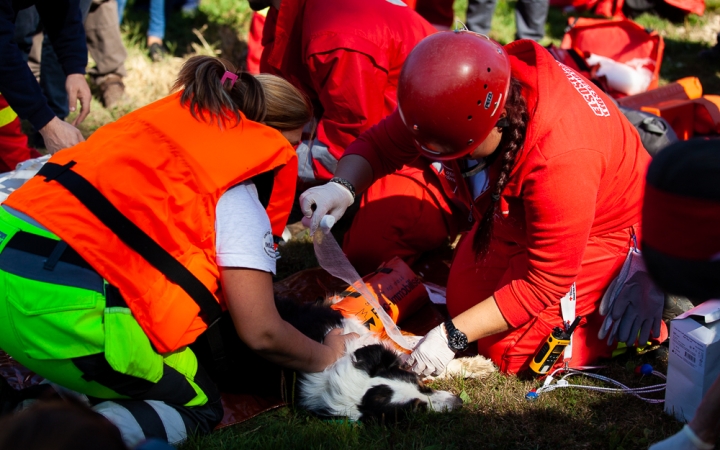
(368, 381)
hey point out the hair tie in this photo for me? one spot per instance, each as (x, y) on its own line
(228, 76)
(495, 197)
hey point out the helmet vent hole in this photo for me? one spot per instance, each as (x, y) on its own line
(489, 69)
(485, 86)
(469, 117)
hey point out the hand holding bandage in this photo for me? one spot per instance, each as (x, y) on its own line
(632, 304)
(329, 199)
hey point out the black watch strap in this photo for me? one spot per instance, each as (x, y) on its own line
(457, 340)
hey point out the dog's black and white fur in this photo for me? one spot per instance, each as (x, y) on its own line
(368, 381)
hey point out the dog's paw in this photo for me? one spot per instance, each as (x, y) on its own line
(468, 367)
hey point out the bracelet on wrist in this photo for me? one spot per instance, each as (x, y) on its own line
(345, 183)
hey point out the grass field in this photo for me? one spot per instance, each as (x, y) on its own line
(496, 415)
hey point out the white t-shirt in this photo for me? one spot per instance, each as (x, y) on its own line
(243, 236)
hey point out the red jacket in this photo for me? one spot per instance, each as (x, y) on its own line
(579, 175)
(165, 171)
(347, 57)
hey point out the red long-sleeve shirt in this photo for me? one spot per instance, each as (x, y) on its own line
(346, 56)
(579, 175)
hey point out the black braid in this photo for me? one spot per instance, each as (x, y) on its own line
(511, 142)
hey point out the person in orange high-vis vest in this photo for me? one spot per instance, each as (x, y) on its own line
(114, 256)
(13, 143)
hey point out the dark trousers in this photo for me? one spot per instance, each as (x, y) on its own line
(530, 17)
(52, 77)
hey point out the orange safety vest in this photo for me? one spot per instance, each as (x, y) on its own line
(165, 171)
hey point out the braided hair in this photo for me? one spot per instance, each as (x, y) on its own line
(512, 140)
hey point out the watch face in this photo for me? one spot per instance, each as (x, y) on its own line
(458, 340)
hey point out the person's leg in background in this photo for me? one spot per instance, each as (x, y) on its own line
(52, 80)
(38, 50)
(156, 30)
(479, 15)
(105, 45)
(530, 18)
(121, 10)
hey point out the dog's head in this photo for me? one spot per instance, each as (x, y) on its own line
(369, 383)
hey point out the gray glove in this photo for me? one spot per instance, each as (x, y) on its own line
(632, 304)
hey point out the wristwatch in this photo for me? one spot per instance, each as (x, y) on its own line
(457, 340)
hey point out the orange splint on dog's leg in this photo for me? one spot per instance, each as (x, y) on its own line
(396, 288)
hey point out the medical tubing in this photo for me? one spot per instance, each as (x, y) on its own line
(333, 260)
(547, 386)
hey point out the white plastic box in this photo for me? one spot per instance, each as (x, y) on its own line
(694, 360)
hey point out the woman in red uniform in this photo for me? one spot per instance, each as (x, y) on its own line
(550, 172)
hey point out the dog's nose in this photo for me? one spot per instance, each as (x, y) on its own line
(456, 402)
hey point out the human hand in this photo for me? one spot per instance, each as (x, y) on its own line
(59, 134)
(329, 199)
(685, 439)
(432, 354)
(632, 304)
(337, 341)
(78, 89)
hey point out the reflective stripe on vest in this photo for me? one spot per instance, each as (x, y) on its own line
(7, 115)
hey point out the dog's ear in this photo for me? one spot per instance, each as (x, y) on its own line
(377, 405)
(375, 359)
(311, 319)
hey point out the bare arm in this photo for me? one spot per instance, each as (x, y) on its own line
(483, 319)
(357, 170)
(249, 295)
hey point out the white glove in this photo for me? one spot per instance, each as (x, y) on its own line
(432, 354)
(633, 304)
(329, 199)
(685, 439)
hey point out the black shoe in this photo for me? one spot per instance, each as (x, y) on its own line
(157, 52)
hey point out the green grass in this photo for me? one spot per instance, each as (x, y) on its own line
(497, 416)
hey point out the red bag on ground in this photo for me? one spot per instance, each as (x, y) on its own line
(622, 40)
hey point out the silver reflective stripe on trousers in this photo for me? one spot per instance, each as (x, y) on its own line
(129, 425)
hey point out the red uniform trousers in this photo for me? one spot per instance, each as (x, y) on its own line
(13, 143)
(471, 282)
(402, 214)
(254, 43)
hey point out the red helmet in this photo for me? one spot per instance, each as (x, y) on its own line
(452, 90)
